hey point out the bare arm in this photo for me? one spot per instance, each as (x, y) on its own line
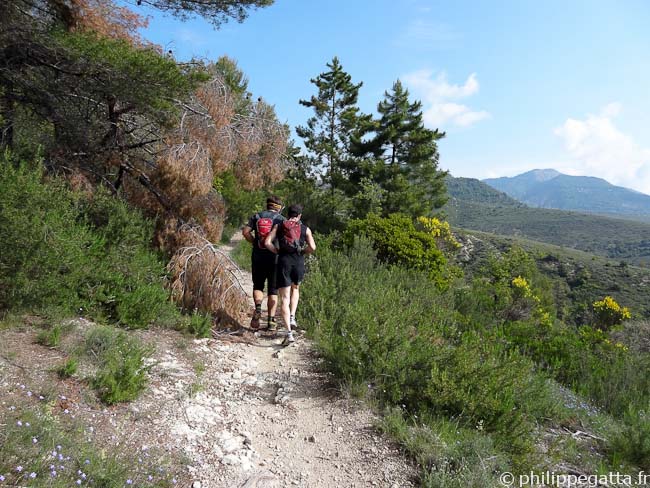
(311, 244)
(247, 232)
(268, 242)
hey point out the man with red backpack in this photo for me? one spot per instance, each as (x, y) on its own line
(264, 262)
(294, 240)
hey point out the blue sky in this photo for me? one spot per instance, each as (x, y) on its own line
(516, 85)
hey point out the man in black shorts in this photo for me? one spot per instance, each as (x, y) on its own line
(291, 240)
(264, 262)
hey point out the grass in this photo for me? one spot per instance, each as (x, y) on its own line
(67, 369)
(241, 254)
(38, 450)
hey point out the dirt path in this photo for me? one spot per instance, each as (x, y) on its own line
(294, 427)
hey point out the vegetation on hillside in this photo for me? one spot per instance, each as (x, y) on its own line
(610, 237)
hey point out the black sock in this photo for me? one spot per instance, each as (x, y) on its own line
(258, 308)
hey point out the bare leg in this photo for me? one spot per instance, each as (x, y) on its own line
(258, 296)
(284, 295)
(295, 296)
(272, 304)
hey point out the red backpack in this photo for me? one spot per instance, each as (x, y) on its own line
(263, 227)
(290, 236)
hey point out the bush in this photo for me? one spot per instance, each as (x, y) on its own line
(632, 442)
(397, 241)
(449, 455)
(122, 374)
(200, 325)
(390, 329)
(50, 337)
(608, 313)
(67, 369)
(72, 252)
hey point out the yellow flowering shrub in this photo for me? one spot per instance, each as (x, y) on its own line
(608, 313)
(523, 291)
(441, 231)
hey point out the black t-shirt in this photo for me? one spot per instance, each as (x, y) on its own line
(252, 223)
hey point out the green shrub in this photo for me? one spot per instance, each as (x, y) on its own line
(240, 203)
(122, 374)
(608, 313)
(67, 369)
(449, 455)
(65, 251)
(398, 241)
(632, 443)
(200, 325)
(391, 329)
(50, 337)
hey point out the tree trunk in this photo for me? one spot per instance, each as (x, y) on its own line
(7, 112)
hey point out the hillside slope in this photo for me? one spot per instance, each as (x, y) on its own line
(475, 205)
(579, 278)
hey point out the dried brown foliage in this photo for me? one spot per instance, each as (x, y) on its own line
(205, 278)
(213, 136)
(107, 19)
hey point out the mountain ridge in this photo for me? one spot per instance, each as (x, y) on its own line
(548, 188)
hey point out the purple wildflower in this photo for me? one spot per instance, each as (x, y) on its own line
(2, 478)
(29, 393)
(19, 423)
(32, 475)
(129, 482)
(53, 473)
(35, 440)
(41, 397)
(87, 461)
(78, 482)
(27, 424)
(19, 469)
(66, 411)
(174, 480)
(58, 447)
(150, 478)
(22, 387)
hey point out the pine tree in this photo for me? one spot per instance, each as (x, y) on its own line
(328, 135)
(407, 156)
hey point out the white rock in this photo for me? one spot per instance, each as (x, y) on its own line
(231, 460)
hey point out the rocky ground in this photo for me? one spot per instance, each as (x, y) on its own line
(234, 411)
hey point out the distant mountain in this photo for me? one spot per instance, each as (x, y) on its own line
(548, 188)
(477, 206)
(475, 191)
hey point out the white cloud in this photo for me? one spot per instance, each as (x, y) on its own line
(596, 147)
(438, 95)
